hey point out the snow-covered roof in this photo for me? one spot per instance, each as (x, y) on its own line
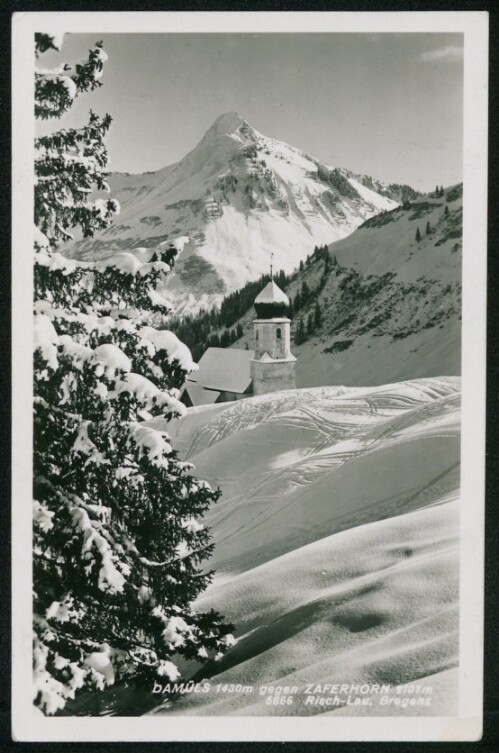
(198, 394)
(223, 369)
(272, 293)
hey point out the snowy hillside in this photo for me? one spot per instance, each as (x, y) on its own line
(390, 305)
(336, 542)
(238, 195)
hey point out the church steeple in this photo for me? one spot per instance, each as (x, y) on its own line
(273, 366)
(271, 302)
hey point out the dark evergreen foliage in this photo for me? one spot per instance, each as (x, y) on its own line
(454, 193)
(199, 331)
(300, 332)
(118, 546)
(336, 180)
(317, 315)
(400, 192)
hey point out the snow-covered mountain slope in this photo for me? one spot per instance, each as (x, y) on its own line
(390, 304)
(387, 243)
(238, 195)
(336, 541)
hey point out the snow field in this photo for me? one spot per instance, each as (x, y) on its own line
(426, 353)
(375, 604)
(336, 540)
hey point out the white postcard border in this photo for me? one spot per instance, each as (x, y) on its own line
(28, 723)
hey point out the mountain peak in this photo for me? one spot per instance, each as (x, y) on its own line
(227, 123)
(240, 196)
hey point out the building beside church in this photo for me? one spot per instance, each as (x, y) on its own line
(227, 374)
(223, 375)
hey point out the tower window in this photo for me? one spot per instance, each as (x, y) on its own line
(256, 335)
(278, 333)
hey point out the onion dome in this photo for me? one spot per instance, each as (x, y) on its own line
(272, 302)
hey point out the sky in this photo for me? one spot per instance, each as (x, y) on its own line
(386, 105)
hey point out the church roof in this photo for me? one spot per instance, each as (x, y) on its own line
(272, 302)
(224, 370)
(272, 293)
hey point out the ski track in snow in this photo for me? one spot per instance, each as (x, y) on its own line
(336, 540)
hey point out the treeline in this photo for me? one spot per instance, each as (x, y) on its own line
(306, 299)
(202, 331)
(305, 295)
(336, 180)
(197, 330)
(401, 192)
(305, 329)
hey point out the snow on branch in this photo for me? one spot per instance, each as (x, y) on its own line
(111, 578)
(117, 518)
(143, 390)
(163, 340)
(152, 443)
(56, 89)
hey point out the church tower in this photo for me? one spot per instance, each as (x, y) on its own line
(273, 366)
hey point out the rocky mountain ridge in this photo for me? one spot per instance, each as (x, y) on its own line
(239, 196)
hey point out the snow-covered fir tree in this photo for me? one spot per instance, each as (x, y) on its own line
(118, 535)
